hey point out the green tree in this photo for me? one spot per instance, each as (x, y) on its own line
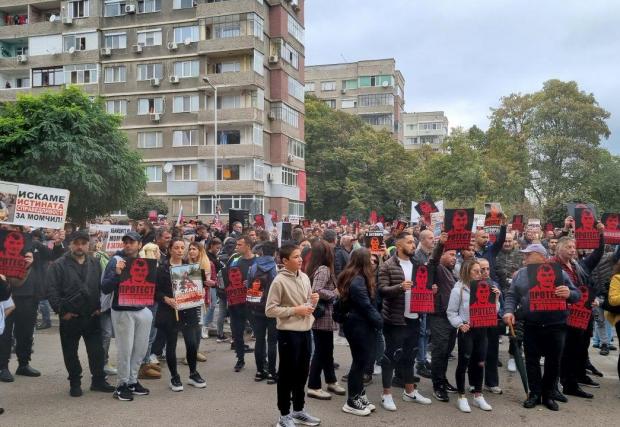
(66, 140)
(140, 206)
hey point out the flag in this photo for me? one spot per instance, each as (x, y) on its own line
(180, 218)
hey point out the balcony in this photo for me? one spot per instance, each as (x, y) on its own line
(235, 115)
(243, 80)
(233, 187)
(231, 151)
(229, 7)
(241, 44)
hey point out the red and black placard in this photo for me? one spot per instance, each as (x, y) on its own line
(236, 291)
(458, 224)
(259, 220)
(517, 222)
(543, 279)
(373, 240)
(482, 304)
(579, 313)
(400, 226)
(612, 228)
(425, 208)
(422, 291)
(306, 223)
(586, 234)
(137, 285)
(13, 247)
(492, 214)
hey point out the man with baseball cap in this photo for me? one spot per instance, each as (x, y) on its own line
(74, 295)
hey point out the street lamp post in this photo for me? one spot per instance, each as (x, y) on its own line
(207, 81)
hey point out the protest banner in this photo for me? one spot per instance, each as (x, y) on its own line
(533, 224)
(425, 208)
(517, 222)
(259, 220)
(137, 283)
(579, 313)
(285, 232)
(492, 214)
(153, 215)
(294, 219)
(236, 291)
(457, 224)
(344, 220)
(108, 238)
(572, 207)
(238, 215)
(373, 217)
(306, 223)
(543, 279)
(612, 228)
(422, 291)
(437, 224)
(30, 205)
(373, 240)
(586, 234)
(400, 226)
(187, 286)
(478, 223)
(415, 216)
(13, 246)
(482, 305)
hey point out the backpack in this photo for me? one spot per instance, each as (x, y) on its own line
(258, 288)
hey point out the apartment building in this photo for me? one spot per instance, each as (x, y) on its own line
(148, 60)
(373, 89)
(425, 128)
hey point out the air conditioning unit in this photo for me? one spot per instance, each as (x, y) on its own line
(22, 58)
(155, 117)
(273, 59)
(106, 51)
(289, 159)
(155, 82)
(130, 8)
(269, 178)
(174, 79)
(172, 46)
(137, 48)
(67, 20)
(385, 84)
(271, 115)
(343, 91)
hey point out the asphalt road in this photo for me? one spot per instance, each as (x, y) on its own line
(234, 399)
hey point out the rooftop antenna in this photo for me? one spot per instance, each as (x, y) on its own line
(343, 57)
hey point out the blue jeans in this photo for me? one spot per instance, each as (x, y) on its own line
(210, 313)
(46, 311)
(422, 340)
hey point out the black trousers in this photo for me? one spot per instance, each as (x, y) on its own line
(88, 328)
(20, 324)
(574, 357)
(238, 319)
(444, 337)
(160, 342)
(294, 348)
(472, 356)
(401, 348)
(322, 359)
(539, 341)
(361, 338)
(191, 336)
(266, 339)
(491, 372)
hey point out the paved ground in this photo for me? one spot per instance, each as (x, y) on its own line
(234, 399)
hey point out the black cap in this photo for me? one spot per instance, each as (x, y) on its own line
(80, 234)
(133, 236)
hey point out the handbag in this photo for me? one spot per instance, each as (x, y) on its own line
(320, 309)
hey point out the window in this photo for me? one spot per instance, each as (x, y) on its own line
(185, 104)
(116, 106)
(254, 204)
(411, 141)
(75, 41)
(285, 113)
(48, 77)
(150, 140)
(331, 103)
(289, 176)
(21, 82)
(258, 170)
(114, 7)
(183, 4)
(376, 99)
(149, 6)
(149, 38)
(150, 105)
(256, 25)
(378, 119)
(348, 103)
(257, 134)
(116, 74)
(295, 89)
(81, 74)
(153, 173)
(227, 67)
(228, 137)
(228, 172)
(296, 148)
(226, 26)
(78, 8)
(309, 87)
(115, 41)
(186, 68)
(259, 63)
(258, 99)
(328, 86)
(295, 29)
(191, 33)
(371, 81)
(296, 208)
(227, 102)
(291, 56)
(185, 138)
(150, 71)
(349, 84)
(185, 172)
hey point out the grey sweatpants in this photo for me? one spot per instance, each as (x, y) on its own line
(131, 330)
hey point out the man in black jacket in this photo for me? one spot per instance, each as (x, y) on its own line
(74, 295)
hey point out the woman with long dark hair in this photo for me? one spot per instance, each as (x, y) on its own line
(357, 289)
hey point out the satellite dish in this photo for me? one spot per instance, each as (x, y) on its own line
(53, 18)
(168, 167)
(71, 50)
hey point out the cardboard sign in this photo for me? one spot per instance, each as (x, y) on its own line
(400, 226)
(344, 220)
(492, 214)
(236, 291)
(612, 228)
(586, 234)
(373, 240)
(187, 286)
(437, 224)
(478, 223)
(493, 232)
(108, 238)
(255, 293)
(13, 246)
(425, 208)
(238, 215)
(373, 217)
(259, 220)
(517, 222)
(533, 224)
(572, 208)
(294, 219)
(422, 291)
(137, 285)
(482, 304)
(457, 224)
(579, 313)
(543, 279)
(23, 204)
(153, 216)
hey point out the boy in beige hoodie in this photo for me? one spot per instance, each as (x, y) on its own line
(291, 302)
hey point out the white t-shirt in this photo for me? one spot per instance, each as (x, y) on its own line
(407, 267)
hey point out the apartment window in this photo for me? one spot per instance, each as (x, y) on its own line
(309, 87)
(22, 82)
(296, 208)
(227, 67)
(185, 172)
(149, 6)
(115, 41)
(295, 29)
(150, 105)
(149, 38)
(348, 103)
(258, 99)
(48, 77)
(114, 7)
(150, 140)
(153, 173)
(228, 172)
(226, 26)
(116, 106)
(75, 41)
(186, 68)
(376, 99)
(259, 63)
(116, 74)
(328, 86)
(331, 103)
(378, 119)
(256, 25)
(286, 114)
(150, 71)
(254, 204)
(295, 89)
(349, 84)
(259, 168)
(185, 104)
(296, 148)
(183, 4)
(78, 8)
(257, 134)
(372, 81)
(191, 33)
(81, 74)
(227, 102)
(290, 55)
(228, 137)
(185, 138)
(411, 141)
(289, 176)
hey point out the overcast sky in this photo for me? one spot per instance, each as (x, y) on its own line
(461, 56)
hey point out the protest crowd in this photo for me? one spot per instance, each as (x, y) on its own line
(409, 297)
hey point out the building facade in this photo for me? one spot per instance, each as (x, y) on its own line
(373, 90)
(148, 59)
(424, 128)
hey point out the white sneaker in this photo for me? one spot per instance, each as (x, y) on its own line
(153, 359)
(377, 370)
(481, 403)
(416, 397)
(205, 333)
(388, 402)
(494, 390)
(512, 366)
(463, 405)
(319, 394)
(110, 370)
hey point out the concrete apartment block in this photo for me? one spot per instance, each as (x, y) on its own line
(425, 128)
